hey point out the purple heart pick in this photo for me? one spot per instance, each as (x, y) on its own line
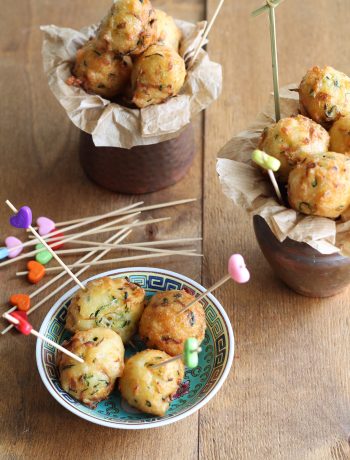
(23, 219)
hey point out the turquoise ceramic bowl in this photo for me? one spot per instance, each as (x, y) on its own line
(200, 384)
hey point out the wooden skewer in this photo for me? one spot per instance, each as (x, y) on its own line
(135, 247)
(162, 363)
(208, 291)
(66, 240)
(264, 8)
(120, 212)
(113, 261)
(63, 265)
(100, 229)
(276, 90)
(237, 271)
(71, 237)
(142, 246)
(40, 336)
(106, 228)
(205, 34)
(93, 219)
(143, 243)
(131, 343)
(120, 236)
(275, 185)
(174, 358)
(270, 6)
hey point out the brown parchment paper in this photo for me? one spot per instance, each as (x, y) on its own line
(113, 125)
(249, 188)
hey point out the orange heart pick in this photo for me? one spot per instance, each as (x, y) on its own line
(21, 301)
(36, 271)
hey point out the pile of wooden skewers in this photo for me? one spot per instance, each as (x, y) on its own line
(46, 239)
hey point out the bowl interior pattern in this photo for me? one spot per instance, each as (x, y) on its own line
(199, 385)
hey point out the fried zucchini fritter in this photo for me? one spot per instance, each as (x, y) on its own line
(130, 27)
(158, 74)
(325, 94)
(167, 31)
(92, 381)
(340, 135)
(163, 328)
(99, 71)
(150, 389)
(291, 136)
(320, 185)
(113, 303)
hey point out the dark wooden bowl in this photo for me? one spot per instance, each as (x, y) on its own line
(141, 169)
(301, 267)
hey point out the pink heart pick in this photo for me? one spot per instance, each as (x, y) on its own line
(45, 225)
(237, 269)
(14, 246)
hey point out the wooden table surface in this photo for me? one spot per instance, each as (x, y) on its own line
(288, 393)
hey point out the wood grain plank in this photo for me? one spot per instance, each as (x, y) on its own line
(39, 152)
(287, 396)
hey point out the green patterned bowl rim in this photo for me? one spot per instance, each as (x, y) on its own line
(220, 355)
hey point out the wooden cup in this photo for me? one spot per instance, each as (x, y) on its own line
(301, 267)
(141, 169)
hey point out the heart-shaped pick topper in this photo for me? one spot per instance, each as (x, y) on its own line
(237, 269)
(14, 246)
(23, 218)
(21, 301)
(45, 225)
(24, 326)
(36, 271)
(190, 354)
(43, 256)
(4, 252)
(266, 161)
(57, 243)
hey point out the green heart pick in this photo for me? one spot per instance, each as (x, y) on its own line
(43, 256)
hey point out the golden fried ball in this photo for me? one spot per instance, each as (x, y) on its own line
(320, 184)
(150, 389)
(159, 73)
(100, 71)
(130, 27)
(113, 303)
(290, 136)
(162, 327)
(103, 353)
(167, 31)
(340, 135)
(325, 94)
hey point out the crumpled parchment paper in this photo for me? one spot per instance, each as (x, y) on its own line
(114, 125)
(249, 188)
